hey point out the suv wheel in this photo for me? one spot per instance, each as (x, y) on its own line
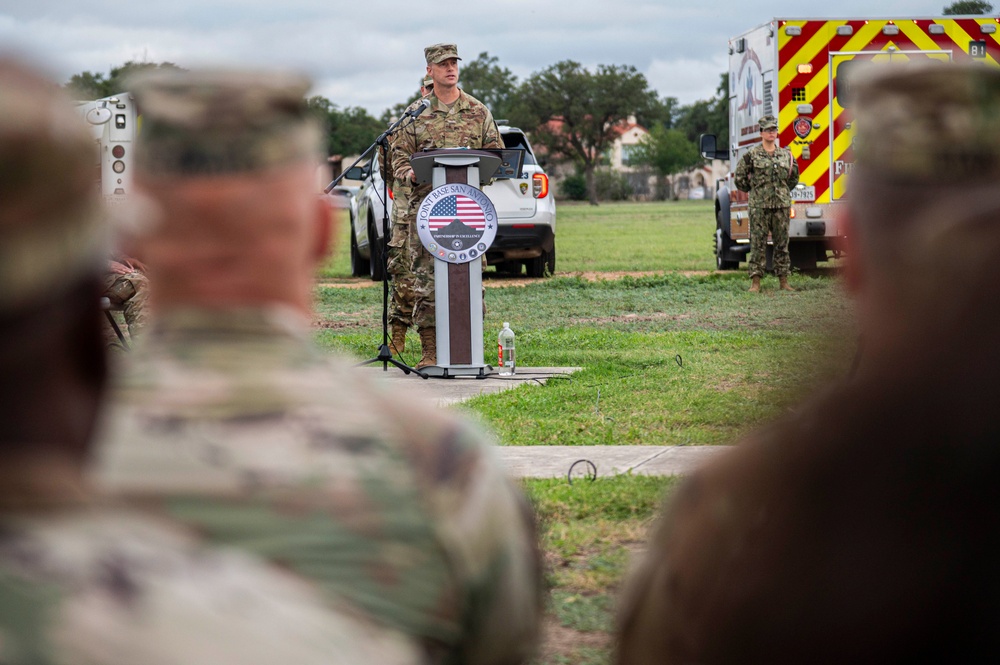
(359, 264)
(543, 265)
(377, 262)
(722, 245)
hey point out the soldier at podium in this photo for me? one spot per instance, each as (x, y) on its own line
(454, 120)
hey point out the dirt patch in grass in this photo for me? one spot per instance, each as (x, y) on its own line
(493, 279)
(334, 324)
(557, 640)
(636, 318)
(347, 283)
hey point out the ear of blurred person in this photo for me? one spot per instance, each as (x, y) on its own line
(852, 529)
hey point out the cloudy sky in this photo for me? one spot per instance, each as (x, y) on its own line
(370, 54)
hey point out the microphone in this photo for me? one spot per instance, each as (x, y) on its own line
(425, 104)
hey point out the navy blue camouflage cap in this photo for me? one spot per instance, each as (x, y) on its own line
(223, 121)
(934, 122)
(768, 122)
(52, 224)
(440, 52)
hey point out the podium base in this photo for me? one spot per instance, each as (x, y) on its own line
(452, 371)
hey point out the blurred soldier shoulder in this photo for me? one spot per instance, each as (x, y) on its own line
(233, 421)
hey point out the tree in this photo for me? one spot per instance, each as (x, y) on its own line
(349, 131)
(577, 113)
(963, 7)
(662, 113)
(669, 151)
(707, 116)
(491, 84)
(88, 85)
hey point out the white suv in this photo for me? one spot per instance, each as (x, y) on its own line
(526, 210)
(366, 222)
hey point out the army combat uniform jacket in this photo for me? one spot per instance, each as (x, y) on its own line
(767, 178)
(467, 124)
(93, 584)
(238, 425)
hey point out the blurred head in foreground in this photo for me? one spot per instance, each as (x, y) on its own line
(51, 248)
(853, 530)
(229, 160)
(927, 151)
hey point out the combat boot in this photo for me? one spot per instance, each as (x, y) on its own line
(783, 283)
(398, 342)
(754, 285)
(428, 347)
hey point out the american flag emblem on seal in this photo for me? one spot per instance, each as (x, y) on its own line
(456, 208)
(457, 217)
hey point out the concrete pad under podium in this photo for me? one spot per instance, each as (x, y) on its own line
(445, 392)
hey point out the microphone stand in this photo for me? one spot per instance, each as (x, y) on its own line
(384, 354)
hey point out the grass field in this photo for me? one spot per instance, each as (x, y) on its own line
(672, 353)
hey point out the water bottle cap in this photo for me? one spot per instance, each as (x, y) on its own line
(506, 325)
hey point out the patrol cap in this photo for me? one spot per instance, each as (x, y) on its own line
(768, 122)
(933, 122)
(218, 121)
(427, 82)
(440, 52)
(51, 224)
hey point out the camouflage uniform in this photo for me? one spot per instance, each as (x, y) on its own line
(85, 581)
(240, 427)
(400, 266)
(400, 262)
(467, 124)
(768, 178)
(127, 290)
(91, 584)
(235, 423)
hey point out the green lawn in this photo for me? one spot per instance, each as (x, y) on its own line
(678, 355)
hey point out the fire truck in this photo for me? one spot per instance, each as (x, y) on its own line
(114, 123)
(799, 70)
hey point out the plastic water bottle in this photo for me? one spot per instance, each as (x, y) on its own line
(505, 350)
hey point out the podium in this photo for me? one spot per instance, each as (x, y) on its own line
(457, 223)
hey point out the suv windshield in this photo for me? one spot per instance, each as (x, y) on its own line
(513, 138)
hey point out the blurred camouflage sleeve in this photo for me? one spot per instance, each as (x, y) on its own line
(793, 171)
(743, 173)
(401, 147)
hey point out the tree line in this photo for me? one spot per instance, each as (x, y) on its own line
(572, 113)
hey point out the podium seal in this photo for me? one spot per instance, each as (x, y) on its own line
(456, 223)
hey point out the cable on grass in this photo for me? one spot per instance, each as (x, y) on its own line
(589, 470)
(597, 409)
